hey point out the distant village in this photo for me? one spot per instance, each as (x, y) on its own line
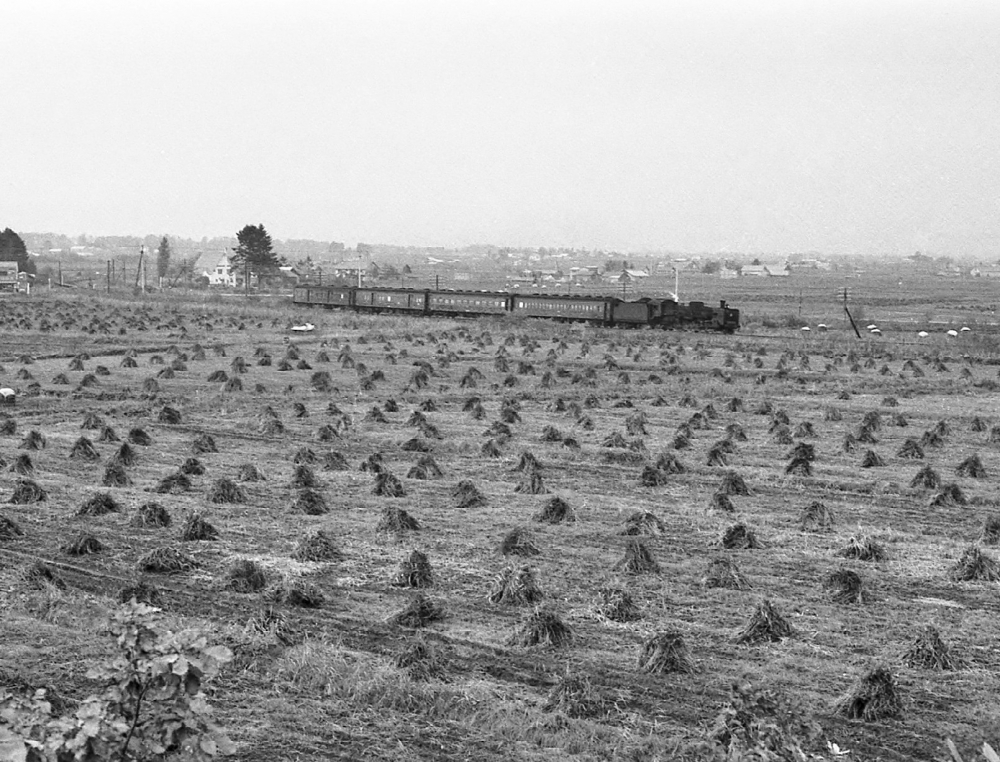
(100, 262)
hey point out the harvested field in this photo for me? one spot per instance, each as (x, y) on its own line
(327, 559)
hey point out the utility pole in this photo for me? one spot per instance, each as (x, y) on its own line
(246, 277)
(108, 279)
(848, 312)
(138, 269)
(60, 274)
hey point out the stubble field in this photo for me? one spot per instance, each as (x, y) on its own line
(474, 429)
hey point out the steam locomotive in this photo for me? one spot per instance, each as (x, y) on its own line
(595, 309)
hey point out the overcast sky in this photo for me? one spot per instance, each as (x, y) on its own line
(694, 126)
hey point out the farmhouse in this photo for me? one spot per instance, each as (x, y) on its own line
(217, 268)
(626, 276)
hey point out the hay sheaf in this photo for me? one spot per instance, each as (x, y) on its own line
(971, 467)
(204, 443)
(929, 651)
(192, 467)
(666, 652)
(911, 450)
(173, 484)
(27, 492)
(733, 484)
(83, 545)
(864, 548)
(816, 517)
(316, 547)
(872, 459)
(617, 605)
(845, 586)
(387, 485)
(724, 573)
(138, 436)
(532, 484)
(245, 576)
(22, 465)
(766, 624)
(515, 587)
(518, 542)
(927, 478)
(197, 528)
(637, 559)
(39, 575)
(33, 440)
(396, 520)
(99, 504)
(542, 628)
(420, 612)
(739, 537)
(335, 461)
(83, 449)
(9, 529)
(150, 515)
(950, 495)
(414, 571)
(467, 495)
(554, 511)
(303, 477)
(974, 564)
(248, 472)
(226, 491)
(167, 560)
(875, 696)
(311, 503)
(296, 592)
(990, 534)
(574, 696)
(642, 523)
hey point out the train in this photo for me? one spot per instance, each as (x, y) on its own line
(600, 310)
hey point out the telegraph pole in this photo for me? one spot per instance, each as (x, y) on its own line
(138, 269)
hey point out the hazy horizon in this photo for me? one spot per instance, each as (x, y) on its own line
(843, 128)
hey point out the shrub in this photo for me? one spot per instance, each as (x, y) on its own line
(151, 705)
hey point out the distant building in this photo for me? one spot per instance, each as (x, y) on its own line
(289, 274)
(626, 276)
(11, 279)
(767, 270)
(217, 268)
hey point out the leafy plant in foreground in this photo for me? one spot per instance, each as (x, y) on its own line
(151, 706)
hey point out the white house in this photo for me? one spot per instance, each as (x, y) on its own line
(216, 267)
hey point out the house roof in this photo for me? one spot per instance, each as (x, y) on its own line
(209, 260)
